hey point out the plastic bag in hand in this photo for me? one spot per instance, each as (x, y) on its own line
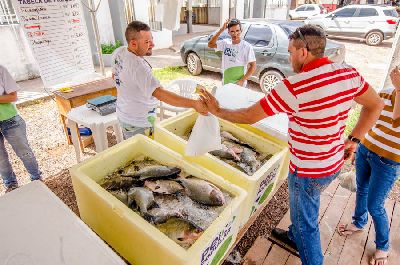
(348, 180)
(205, 136)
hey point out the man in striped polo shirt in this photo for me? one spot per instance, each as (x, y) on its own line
(317, 101)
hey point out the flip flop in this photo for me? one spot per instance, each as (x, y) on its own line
(374, 260)
(346, 229)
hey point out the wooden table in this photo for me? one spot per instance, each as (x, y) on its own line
(81, 93)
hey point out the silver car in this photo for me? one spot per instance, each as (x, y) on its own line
(270, 43)
(370, 22)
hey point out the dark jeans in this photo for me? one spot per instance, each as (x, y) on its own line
(304, 195)
(375, 178)
(14, 131)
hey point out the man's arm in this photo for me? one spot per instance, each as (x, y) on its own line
(179, 101)
(248, 74)
(372, 106)
(395, 77)
(213, 41)
(8, 98)
(248, 115)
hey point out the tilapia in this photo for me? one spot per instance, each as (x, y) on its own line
(155, 172)
(163, 186)
(226, 153)
(203, 191)
(161, 215)
(143, 198)
(248, 158)
(121, 195)
(228, 136)
(116, 182)
(181, 231)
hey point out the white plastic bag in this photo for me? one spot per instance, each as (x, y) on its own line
(348, 180)
(205, 136)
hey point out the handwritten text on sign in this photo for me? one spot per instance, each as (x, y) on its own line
(57, 33)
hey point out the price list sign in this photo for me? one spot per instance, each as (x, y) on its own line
(57, 34)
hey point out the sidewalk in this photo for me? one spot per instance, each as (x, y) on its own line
(34, 89)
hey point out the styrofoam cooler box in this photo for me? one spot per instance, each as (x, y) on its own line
(38, 228)
(132, 236)
(259, 186)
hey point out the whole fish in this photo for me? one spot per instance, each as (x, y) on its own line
(203, 191)
(142, 197)
(248, 158)
(116, 182)
(182, 231)
(120, 195)
(154, 172)
(228, 136)
(163, 186)
(161, 215)
(226, 153)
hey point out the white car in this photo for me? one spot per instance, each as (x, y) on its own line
(306, 11)
(373, 23)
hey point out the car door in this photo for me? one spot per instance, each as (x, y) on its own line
(309, 12)
(263, 39)
(339, 23)
(299, 12)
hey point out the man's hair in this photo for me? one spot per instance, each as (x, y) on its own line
(133, 28)
(311, 37)
(234, 22)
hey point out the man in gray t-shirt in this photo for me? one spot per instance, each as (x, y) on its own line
(138, 90)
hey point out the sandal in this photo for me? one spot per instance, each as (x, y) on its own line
(380, 261)
(344, 230)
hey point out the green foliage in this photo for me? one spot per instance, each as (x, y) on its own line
(354, 114)
(167, 74)
(110, 48)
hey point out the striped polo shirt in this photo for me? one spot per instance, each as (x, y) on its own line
(317, 102)
(384, 138)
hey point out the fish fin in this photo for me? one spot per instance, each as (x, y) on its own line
(148, 217)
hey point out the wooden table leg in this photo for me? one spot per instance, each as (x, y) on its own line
(64, 123)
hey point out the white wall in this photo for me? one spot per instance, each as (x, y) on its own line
(239, 9)
(141, 10)
(16, 54)
(224, 11)
(104, 22)
(162, 39)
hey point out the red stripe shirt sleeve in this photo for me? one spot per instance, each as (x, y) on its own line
(280, 99)
(362, 88)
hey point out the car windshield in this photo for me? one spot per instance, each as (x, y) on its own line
(224, 35)
(289, 28)
(390, 13)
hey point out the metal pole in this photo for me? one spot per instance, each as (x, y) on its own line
(92, 11)
(189, 18)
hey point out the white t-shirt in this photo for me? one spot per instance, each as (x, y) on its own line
(135, 86)
(235, 58)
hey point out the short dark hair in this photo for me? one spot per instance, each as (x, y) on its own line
(134, 28)
(311, 37)
(234, 22)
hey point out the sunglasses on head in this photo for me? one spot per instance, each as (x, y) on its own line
(302, 38)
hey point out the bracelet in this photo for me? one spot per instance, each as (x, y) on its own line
(354, 139)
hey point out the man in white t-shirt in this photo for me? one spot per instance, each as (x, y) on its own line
(238, 60)
(138, 91)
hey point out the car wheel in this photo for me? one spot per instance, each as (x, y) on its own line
(269, 79)
(374, 38)
(194, 64)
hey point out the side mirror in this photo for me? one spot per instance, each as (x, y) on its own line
(209, 37)
(333, 16)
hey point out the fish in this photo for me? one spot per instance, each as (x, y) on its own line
(203, 191)
(155, 172)
(142, 197)
(249, 161)
(116, 182)
(161, 215)
(181, 231)
(163, 186)
(228, 136)
(226, 153)
(121, 195)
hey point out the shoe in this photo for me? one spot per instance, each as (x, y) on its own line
(281, 238)
(11, 187)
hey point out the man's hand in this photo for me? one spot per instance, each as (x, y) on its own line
(349, 150)
(210, 101)
(395, 77)
(225, 25)
(240, 82)
(201, 107)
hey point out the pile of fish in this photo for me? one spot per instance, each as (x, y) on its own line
(179, 205)
(238, 154)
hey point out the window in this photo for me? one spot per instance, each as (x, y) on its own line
(302, 8)
(310, 8)
(367, 12)
(346, 12)
(390, 13)
(289, 28)
(259, 35)
(7, 13)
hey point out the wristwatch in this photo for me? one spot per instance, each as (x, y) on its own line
(354, 139)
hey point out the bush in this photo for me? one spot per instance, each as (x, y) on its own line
(110, 48)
